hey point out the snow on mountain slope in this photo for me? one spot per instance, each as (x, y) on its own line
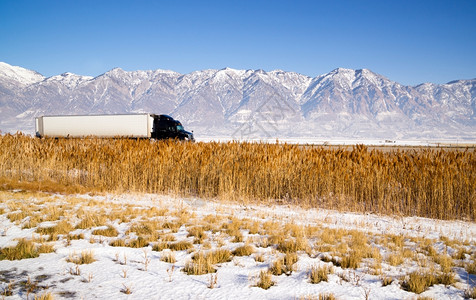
(69, 80)
(18, 75)
(343, 103)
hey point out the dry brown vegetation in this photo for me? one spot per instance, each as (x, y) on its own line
(430, 183)
(318, 274)
(24, 249)
(245, 250)
(85, 257)
(265, 280)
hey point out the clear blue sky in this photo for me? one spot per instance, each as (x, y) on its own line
(408, 41)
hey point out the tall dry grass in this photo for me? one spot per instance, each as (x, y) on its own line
(430, 183)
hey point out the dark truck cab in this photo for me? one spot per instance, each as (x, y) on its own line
(165, 127)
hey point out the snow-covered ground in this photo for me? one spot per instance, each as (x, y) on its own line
(142, 273)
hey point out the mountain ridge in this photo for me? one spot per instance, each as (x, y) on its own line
(343, 103)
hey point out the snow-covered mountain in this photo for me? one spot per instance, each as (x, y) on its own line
(232, 103)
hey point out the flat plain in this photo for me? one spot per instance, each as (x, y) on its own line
(98, 219)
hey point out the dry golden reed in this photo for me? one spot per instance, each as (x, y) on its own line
(425, 182)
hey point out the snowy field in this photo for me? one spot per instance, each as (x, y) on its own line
(129, 246)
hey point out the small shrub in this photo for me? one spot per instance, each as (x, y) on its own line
(289, 260)
(206, 245)
(237, 236)
(45, 296)
(168, 257)
(212, 281)
(332, 236)
(253, 227)
(126, 289)
(259, 257)
(91, 220)
(263, 242)
(265, 280)
(45, 248)
(200, 264)
(471, 267)
(23, 249)
(278, 267)
(445, 261)
(15, 217)
(431, 251)
(351, 260)
(86, 257)
(180, 246)
(144, 228)
(446, 278)
(460, 254)
(197, 231)
(173, 226)
(183, 216)
(110, 231)
(220, 256)
(63, 227)
(318, 274)
(284, 265)
(140, 242)
(397, 241)
(300, 244)
(167, 238)
(386, 280)
(32, 222)
(327, 296)
(395, 259)
(8, 290)
(71, 237)
(244, 250)
(275, 239)
(336, 261)
(160, 246)
(118, 243)
(417, 282)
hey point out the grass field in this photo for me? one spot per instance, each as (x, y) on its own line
(430, 183)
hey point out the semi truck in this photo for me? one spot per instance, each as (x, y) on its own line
(144, 125)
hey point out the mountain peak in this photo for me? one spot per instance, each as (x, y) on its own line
(342, 70)
(229, 70)
(352, 71)
(70, 75)
(68, 79)
(19, 74)
(115, 72)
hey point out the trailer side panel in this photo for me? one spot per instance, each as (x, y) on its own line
(132, 125)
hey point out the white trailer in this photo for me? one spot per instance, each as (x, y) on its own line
(143, 125)
(126, 125)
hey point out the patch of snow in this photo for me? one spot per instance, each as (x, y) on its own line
(69, 80)
(19, 74)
